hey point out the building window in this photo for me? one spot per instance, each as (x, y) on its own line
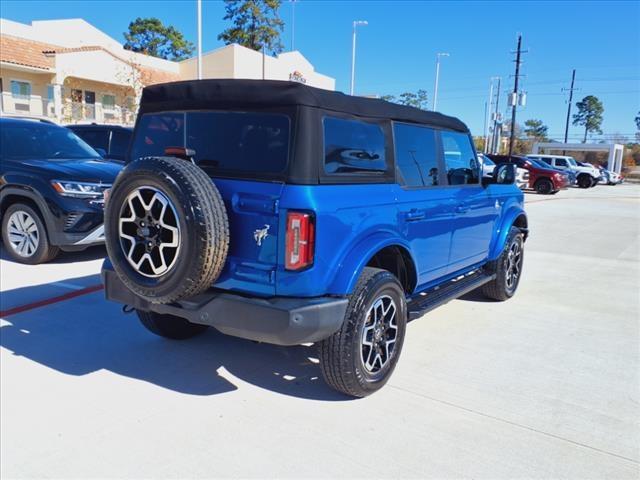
(20, 90)
(50, 93)
(76, 96)
(108, 102)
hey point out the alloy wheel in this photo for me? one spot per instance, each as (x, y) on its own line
(514, 264)
(379, 334)
(149, 231)
(24, 236)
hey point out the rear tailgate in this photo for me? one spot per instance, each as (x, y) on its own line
(252, 208)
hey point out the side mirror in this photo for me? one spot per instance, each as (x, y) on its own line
(101, 151)
(504, 174)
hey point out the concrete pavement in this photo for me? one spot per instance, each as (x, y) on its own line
(544, 385)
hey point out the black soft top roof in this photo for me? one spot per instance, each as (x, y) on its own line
(228, 93)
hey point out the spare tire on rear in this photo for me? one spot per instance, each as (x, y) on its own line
(166, 229)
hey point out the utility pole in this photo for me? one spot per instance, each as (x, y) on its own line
(514, 98)
(435, 87)
(566, 128)
(494, 145)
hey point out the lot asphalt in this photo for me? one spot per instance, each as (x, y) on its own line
(544, 385)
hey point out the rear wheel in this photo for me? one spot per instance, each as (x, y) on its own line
(360, 357)
(544, 186)
(25, 236)
(169, 326)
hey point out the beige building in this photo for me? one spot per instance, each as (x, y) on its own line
(71, 72)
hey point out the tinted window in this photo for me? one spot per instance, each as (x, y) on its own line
(352, 146)
(119, 144)
(95, 138)
(460, 159)
(223, 141)
(416, 155)
(40, 141)
(561, 162)
(546, 160)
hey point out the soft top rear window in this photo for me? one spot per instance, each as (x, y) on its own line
(227, 143)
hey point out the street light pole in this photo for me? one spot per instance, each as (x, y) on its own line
(356, 23)
(487, 116)
(435, 88)
(293, 24)
(199, 3)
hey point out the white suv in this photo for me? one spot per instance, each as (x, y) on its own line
(586, 177)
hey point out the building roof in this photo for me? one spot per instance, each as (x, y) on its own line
(29, 53)
(227, 93)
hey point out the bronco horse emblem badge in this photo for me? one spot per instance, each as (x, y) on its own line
(260, 234)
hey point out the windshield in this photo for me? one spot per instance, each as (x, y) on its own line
(30, 141)
(539, 163)
(223, 141)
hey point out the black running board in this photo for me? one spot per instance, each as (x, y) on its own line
(426, 301)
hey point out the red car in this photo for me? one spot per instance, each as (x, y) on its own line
(543, 180)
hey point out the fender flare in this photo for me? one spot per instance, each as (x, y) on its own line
(357, 257)
(514, 215)
(31, 194)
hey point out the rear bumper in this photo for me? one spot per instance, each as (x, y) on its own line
(277, 320)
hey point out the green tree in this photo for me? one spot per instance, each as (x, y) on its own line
(417, 99)
(255, 23)
(389, 98)
(535, 129)
(151, 37)
(589, 115)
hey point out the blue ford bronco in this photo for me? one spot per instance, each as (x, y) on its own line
(286, 214)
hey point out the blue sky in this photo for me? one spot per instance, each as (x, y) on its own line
(396, 51)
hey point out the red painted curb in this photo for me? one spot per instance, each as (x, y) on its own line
(49, 301)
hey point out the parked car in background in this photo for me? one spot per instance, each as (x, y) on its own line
(51, 190)
(545, 181)
(287, 214)
(488, 166)
(586, 176)
(608, 177)
(569, 173)
(522, 178)
(113, 140)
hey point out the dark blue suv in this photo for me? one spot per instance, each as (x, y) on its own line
(287, 214)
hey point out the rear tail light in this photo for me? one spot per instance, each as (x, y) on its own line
(300, 240)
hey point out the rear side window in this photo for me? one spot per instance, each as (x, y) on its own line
(243, 142)
(353, 146)
(546, 160)
(119, 144)
(460, 159)
(561, 162)
(95, 138)
(416, 155)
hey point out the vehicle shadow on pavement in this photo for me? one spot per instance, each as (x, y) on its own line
(88, 334)
(91, 253)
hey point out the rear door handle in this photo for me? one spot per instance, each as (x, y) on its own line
(414, 215)
(462, 208)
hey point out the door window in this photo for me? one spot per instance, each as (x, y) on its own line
(119, 144)
(416, 155)
(460, 159)
(95, 138)
(562, 163)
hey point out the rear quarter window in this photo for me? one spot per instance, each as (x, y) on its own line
(353, 147)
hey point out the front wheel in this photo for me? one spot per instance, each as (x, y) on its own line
(169, 326)
(360, 357)
(25, 236)
(508, 268)
(584, 181)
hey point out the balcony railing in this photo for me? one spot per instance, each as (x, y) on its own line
(76, 112)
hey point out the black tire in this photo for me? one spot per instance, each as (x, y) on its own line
(200, 218)
(594, 182)
(169, 326)
(341, 355)
(501, 288)
(544, 186)
(584, 180)
(44, 252)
